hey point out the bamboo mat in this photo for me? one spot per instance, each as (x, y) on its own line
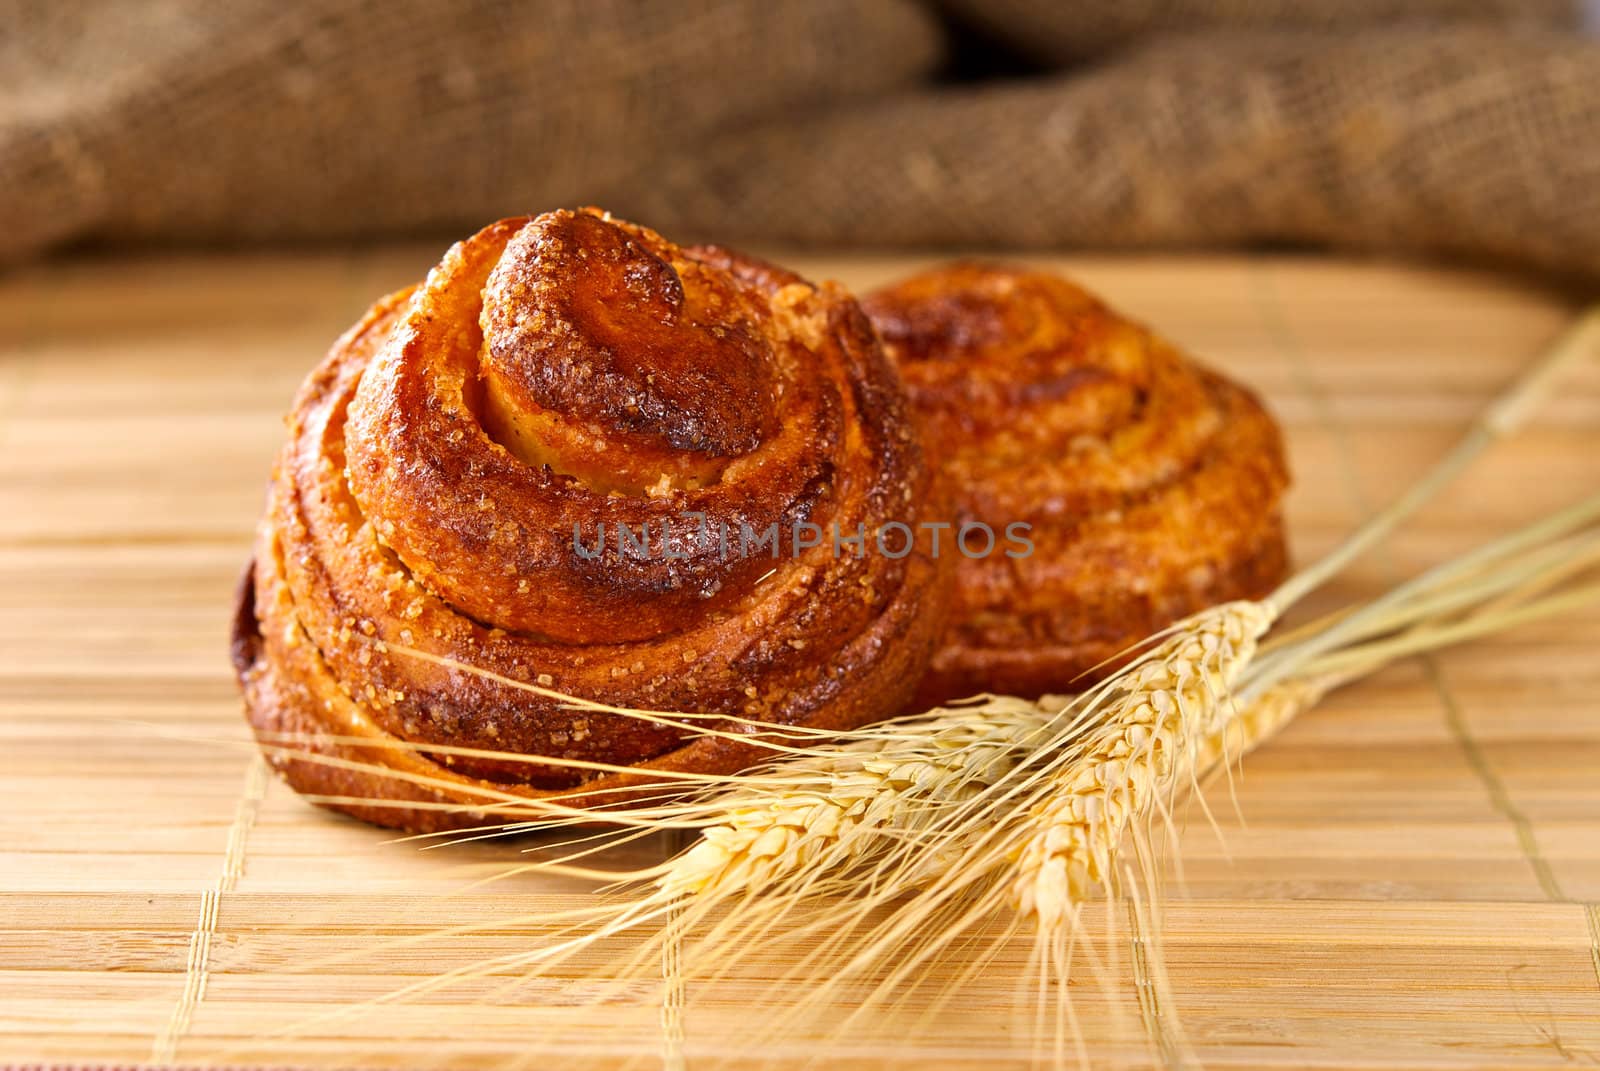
(1413, 884)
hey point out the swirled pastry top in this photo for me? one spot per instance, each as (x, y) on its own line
(1043, 402)
(591, 377)
(577, 456)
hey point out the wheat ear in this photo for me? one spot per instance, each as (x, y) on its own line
(818, 813)
(1170, 705)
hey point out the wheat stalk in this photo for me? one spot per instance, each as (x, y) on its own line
(1171, 704)
(821, 812)
(1260, 719)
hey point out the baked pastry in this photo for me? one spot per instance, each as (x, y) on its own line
(1136, 486)
(560, 460)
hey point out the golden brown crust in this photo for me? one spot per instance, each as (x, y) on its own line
(453, 464)
(1150, 485)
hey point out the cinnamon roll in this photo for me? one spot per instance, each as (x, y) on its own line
(584, 458)
(1141, 485)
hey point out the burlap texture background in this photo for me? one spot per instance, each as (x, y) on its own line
(1460, 127)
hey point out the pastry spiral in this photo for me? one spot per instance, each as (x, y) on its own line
(544, 462)
(1149, 485)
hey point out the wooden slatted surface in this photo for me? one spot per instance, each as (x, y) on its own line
(1414, 885)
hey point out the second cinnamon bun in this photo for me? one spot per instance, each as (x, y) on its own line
(1148, 485)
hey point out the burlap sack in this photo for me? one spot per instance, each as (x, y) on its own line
(1463, 127)
(1472, 141)
(230, 119)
